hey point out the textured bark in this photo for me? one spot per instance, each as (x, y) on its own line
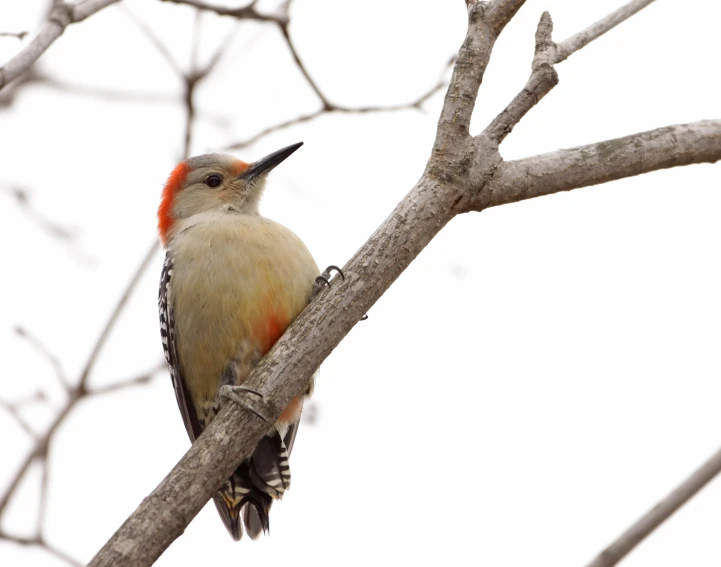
(563, 170)
(463, 173)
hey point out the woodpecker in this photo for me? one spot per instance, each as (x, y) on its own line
(231, 283)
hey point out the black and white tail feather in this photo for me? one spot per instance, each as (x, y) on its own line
(262, 477)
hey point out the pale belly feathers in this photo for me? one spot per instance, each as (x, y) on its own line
(238, 282)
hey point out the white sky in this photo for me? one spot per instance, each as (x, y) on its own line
(535, 381)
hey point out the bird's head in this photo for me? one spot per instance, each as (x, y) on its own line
(214, 182)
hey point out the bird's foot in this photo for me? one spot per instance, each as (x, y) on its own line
(242, 396)
(324, 280)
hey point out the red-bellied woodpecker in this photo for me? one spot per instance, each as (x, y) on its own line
(231, 284)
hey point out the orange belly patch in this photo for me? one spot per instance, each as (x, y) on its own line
(271, 331)
(292, 412)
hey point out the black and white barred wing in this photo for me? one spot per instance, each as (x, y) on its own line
(167, 334)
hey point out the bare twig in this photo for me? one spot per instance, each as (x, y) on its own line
(17, 35)
(14, 411)
(43, 502)
(40, 448)
(129, 382)
(39, 452)
(246, 13)
(543, 78)
(41, 543)
(45, 352)
(659, 513)
(160, 47)
(569, 46)
(67, 235)
(110, 323)
(195, 43)
(109, 94)
(281, 19)
(80, 390)
(313, 85)
(61, 16)
(413, 105)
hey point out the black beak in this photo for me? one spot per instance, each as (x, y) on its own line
(264, 165)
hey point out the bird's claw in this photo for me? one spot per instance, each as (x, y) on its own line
(324, 279)
(239, 395)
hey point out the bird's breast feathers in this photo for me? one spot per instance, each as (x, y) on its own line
(238, 282)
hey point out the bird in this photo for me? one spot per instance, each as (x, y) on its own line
(231, 283)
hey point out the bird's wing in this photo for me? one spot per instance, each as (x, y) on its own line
(167, 334)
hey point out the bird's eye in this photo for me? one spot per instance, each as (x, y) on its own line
(213, 180)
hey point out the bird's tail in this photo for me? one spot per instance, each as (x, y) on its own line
(250, 492)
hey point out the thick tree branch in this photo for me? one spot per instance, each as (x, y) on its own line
(485, 24)
(61, 16)
(563, 170)
(659, 513)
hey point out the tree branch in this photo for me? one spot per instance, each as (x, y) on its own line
(485, 24)
(61, 16)
(41, 543)
(659, 513)
(14, 410)
(46, 353)
(129, 382)
(416, 104)
(64, 234)
(582, 39)
(563, 170)
(543, 78)
(110, 323)
(17, 35)
(245, 13)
